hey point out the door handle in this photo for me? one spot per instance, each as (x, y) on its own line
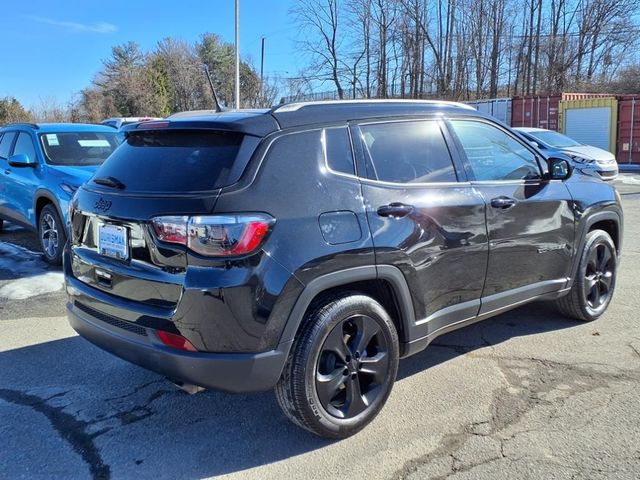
(7, 172)
(503, 202)
(395, 210)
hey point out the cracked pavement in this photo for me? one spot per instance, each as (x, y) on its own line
(527, 394)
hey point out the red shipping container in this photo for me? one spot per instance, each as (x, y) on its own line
(628, 144)
(542, 111)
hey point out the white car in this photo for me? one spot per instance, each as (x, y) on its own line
(603, 162)
(117, 122)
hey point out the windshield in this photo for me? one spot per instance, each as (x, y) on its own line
(79, 148)
(554, 139)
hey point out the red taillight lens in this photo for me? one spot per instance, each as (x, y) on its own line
(176, 341)
(215, 235)
(171, 229)
(251, 238)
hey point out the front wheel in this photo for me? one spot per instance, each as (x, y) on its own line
(342, 367)
(52, 234)
(595, 280)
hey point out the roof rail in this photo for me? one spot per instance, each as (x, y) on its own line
(295, 106)
(17, 124)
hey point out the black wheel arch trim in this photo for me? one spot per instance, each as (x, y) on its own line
(585, 225)
(344, 277)
(42, 193)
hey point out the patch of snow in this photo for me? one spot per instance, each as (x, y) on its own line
(630, 180)
(32, 286)
(34, 276)
(20, 260)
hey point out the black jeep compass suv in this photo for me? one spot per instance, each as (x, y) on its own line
(311, 246)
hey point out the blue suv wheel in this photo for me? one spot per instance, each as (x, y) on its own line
(52, 235)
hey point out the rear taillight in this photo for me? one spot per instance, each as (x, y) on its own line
(171, 229)
(215, 235)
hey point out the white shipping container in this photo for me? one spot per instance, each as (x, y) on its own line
(499, 108)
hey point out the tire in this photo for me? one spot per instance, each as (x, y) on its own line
(595, 280)
(52, 234)
(328, 367)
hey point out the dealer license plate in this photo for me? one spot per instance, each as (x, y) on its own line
(113, 242)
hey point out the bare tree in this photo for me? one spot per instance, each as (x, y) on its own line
(48, 109)
(319, 23)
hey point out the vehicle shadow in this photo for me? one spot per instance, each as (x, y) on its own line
(20, 236)
(122, 420)
(20, 254)
(530, 319)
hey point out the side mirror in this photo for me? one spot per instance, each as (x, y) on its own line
(21, 160)
(559, 168)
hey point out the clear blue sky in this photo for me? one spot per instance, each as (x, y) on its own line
(52, 49)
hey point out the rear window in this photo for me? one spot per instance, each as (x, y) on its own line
(172, 161)
(78, 148)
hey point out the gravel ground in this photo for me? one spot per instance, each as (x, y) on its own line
(527, 394)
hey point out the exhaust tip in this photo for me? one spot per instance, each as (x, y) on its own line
(189, 388)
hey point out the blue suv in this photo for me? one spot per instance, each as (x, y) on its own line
(41, 167)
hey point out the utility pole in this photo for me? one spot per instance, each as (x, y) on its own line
(262, 62)
(237, 90)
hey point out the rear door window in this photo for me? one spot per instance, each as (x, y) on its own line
(407, 152)
(173, 161)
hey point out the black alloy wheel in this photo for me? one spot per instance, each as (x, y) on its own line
(342, 366)
(353, 364)
(595, 280)
(599, 274)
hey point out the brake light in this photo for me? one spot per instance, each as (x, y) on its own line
(151, 124)
(215, 235)
(171, 229)
(176, 341)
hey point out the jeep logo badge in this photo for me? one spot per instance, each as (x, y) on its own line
(102, 205)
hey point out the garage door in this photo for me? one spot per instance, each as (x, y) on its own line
(589, 125)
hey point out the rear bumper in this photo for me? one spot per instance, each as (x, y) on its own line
(231, 372)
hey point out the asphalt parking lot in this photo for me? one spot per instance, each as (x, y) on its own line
(527, 394)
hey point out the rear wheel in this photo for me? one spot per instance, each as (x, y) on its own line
(595, 280)
(342, 367)
(52, 234)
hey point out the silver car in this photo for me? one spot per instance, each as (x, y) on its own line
(602, 161)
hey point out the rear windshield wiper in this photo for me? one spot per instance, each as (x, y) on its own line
(110, 182)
